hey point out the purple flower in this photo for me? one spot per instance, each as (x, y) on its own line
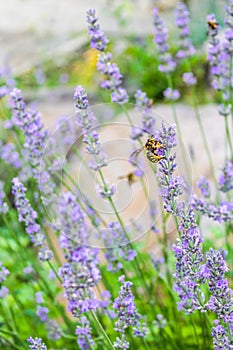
(222, 212)
(3, 91)
(39, 298)
(83, 331)
(127, 314)
(10, 155)
(204, 187)
(167, 64)
(67, 130)
(215, 53)
(220, 338)
(160, 321)
(3, 292)
(170, 94)
(171, 186)
(80, 97)
(3, 205)
(36, 344)
(119, 96)
(118, 248)
(182, 21)
(28, 270)
(106, 191)
(29, 122)
(225, 180)
(98, 39)
(53, 330)
(51, 275)
(81, 273)
(42, 313)
(28, 216)
(189, 259)
(86, 120)
(189, 78)
(3, 272)
(221, 300)
(144, 103)
(104, 64)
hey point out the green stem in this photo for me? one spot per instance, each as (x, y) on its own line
(228, 137)
(110, 345)
(55, 271)
(10, 342)
(195, 331)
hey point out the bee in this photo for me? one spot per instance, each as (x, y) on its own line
(213, 24)
(152, 146)
(149, 103)
(130, 177)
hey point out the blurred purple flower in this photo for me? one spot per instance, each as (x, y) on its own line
(3, 272)
(189, 78)
(3, 292)
(3, 205)
(118, 248)
(42, 313)
(9, 154)
(204, 186)
(182, 21)
(39, 298)
(225, 180)
(104, 64)
(53, 330)
(167, 64)
(170, 94)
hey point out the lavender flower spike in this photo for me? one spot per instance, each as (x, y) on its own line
(28, 216)
(86, 120)
(36, 344)
(98, 39)
(3, 205)
(171, 186)
(104, 64)
(80, 273)
(225, 180)
(167, 64)
(3, 274)
(189, 259)
(127, 314)
(182, 20)
(83, 331)
(221, 299)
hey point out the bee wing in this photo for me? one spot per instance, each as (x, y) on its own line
(153, 157)
(136, 152)
(122, 177)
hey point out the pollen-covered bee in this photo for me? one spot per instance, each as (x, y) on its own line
(131, 177)
(152, 146)
(213, 24)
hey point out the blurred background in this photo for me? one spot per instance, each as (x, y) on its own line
(45, 43)
(45, 50)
